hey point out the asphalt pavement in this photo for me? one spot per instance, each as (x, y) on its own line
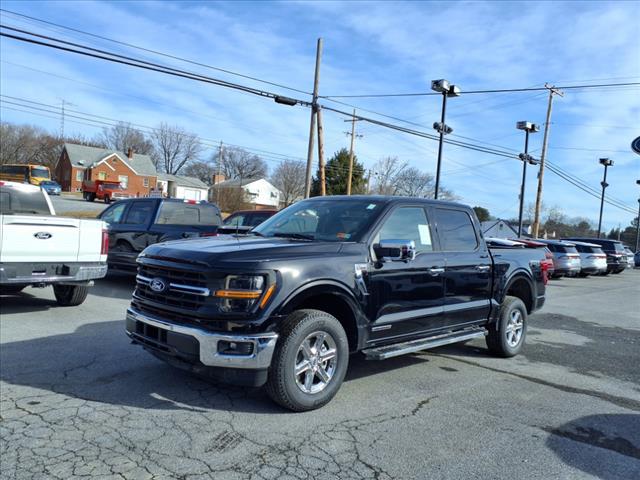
(79, 400)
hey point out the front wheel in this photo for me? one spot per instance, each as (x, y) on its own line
(508, 338)
(70, 295)
(107, 199)
(310, 361)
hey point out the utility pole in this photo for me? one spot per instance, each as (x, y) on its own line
(220, 152)
(323, 181)
(545, 141)
(353, 136)
(312, 126)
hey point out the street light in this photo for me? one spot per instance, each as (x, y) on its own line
(607, 162)
(528, 127)
(447, 90)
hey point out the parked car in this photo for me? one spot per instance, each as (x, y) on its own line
(630, 260)
(636, 258)
(39, 249)
(329, 276)
(548, 256)
(244, 220)
(593, 261)
(136, 223)
(566, 259)
(616, 256)
(103, 190)
(51, 187)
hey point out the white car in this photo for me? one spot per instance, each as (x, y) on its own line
(38, 248)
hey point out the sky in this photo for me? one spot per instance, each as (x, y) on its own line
(369, 48)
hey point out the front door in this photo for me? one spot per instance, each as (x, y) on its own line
(467, 279)
(405, 297)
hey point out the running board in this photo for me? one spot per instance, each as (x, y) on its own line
(397, 349)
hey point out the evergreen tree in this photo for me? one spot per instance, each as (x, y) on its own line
(337, 174)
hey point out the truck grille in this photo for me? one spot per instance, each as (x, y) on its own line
(175, 288)
(177, 318)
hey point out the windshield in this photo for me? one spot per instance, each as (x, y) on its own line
(112, 186)
(40, 172)
(327, 220)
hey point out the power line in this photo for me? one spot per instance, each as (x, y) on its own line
(133, 62)
(469, 92)
(156, 52)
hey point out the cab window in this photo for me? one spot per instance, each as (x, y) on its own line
(114, 213)
(407, 223)
(456, 231)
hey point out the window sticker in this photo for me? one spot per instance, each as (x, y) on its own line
(425, 234)
(371, 206)
(343, 236)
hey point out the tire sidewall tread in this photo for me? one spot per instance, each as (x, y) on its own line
(496, 339)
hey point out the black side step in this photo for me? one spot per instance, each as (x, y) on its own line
(397, 349)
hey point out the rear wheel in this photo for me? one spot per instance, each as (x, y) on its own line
(310, 361)
(70, 295)
(508, 338)
(91, 197)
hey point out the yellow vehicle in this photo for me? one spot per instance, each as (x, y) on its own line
(33, 174)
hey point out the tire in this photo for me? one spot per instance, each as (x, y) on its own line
(502, 341)
(296, 392)
(70, 295)
(91, 197)
(107, 199)
(11, 289)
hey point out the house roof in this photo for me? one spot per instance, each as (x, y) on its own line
(237, 182)
(84, 157)
(486, 226)
(183, 181)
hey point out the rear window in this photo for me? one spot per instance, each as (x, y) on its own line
(456, 231)
(23, 201)
(565, 249)
(177, 213)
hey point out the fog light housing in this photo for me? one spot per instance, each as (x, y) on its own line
(235, 348)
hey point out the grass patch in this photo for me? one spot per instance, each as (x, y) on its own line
(78, 214)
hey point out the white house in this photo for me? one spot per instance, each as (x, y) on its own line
(178, 186)
(258, 192)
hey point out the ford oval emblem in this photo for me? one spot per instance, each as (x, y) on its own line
(42, 235)
(157, 285)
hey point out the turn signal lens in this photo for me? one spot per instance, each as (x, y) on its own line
(238, 294)
(267, 296)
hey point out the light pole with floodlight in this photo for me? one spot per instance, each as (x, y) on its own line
(606, 162)
(528, 127)
(447, 90)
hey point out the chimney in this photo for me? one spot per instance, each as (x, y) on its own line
(218, 178)
(130, 153)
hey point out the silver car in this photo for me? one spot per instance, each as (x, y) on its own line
(629, 253)
(593, 260)
(566, 259)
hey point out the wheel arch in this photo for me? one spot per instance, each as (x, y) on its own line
(520, 286)
(333, 298)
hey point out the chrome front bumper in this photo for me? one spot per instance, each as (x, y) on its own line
(260, 358)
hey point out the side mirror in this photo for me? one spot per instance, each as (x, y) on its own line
(395, 250)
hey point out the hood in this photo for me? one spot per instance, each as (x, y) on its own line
(213, 251)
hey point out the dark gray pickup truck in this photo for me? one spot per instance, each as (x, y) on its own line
(327, 277)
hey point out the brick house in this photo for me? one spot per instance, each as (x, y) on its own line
(135, 172)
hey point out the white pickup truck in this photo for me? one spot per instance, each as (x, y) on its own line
(38, 248)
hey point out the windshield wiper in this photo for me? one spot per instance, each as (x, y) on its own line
(300, 236)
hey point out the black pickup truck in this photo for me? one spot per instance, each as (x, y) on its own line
(136, 223)
(287, 304)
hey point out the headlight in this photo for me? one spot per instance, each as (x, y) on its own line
(242, 292)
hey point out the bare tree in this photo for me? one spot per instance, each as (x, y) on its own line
(123, 136)
(174, 148)
(289, 179)
(393, 176)
(230, 199)
(200, 169)
(238, 163)
(385, 173)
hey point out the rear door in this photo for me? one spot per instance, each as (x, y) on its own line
(406, 297)
(467, 277)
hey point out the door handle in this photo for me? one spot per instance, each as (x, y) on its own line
(483, 268)
(436, 270)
